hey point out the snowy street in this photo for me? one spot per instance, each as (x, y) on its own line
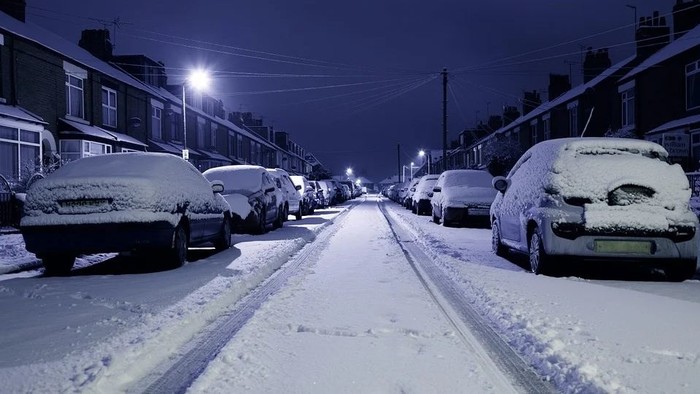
(362, 297)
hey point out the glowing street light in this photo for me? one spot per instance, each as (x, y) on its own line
(422, 153)
(198, 80)
(348, 171)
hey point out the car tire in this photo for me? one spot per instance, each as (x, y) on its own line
(262, 219)
(498, 248)
(280, 218)
(177, 254)
(297, 215)
(223, 242)
(540, 262)
(444, 221)
(679, 271)
(436, 219)
(57, 264)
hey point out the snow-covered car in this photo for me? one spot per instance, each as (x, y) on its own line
(293, 199)
(306, 192)
(252, 194)
(462, 196)
(598, 199)
(123, 202)
(420, 201)
(408, 198)
(328, 192)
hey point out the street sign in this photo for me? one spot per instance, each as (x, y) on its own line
(677, 144)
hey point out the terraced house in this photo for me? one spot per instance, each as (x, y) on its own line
(63, 101)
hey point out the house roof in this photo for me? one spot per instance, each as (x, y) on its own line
(687, 41)
(66, 48)
(19, 113)
(675, 124)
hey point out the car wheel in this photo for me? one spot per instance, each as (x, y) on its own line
(436, 219)
(496, 244)
(57, 264)
(444, 221)
(177, 254)
(539, 260)
(223, 242)
(681, 270)
(297, 215)
(262, 219)
(280, 218)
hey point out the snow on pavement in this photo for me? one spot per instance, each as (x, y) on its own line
(357, 319)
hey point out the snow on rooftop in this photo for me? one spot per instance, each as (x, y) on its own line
(689, 40)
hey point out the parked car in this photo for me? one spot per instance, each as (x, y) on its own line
(462, 196)
(252, 194)
(293, 199)
(328, 192)
(420, 201)
(408, 197)
(123, 202)
(596, 199)
(320, 197)
(306, 192)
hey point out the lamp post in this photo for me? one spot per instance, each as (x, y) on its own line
(412, 167)
(198, 79)
(425, 155)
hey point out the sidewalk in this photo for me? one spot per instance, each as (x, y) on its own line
(13, 256)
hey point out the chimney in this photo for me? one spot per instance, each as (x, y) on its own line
(558, 85)
(531, 100)
(652, 34)
(686, 15)
(97, 42)
(595, 63)
(510, 113)
(14, 8)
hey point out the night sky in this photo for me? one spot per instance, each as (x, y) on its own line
(377, 61)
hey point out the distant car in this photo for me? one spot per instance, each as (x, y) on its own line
(462, 196)
(306, 192)
(596, 199)
(328, 192)
(408, 197)
(293, 198)
(252, 194)
(123, 202)
(420, 201)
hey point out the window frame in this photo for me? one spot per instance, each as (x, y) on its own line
(107, 108)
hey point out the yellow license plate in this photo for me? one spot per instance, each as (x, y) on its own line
(640, 247)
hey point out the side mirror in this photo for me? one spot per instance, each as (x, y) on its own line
(437, 189)
(298, 187)
(217, 186)
(500, 183)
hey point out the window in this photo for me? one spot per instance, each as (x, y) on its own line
(573, 120)
(125, 150)
(156, 122)
(239, 146)
(212, 134)
(695, 145)
(74, 96)
(175, 124)
(533, 131)
(76, 149)
(692, 85)
(627, 108)
(20, 151)
(109, 107)
(546, 128)
(201, 125)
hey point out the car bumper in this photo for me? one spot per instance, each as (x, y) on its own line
(462, 214)
(97, 238)
(423, 205)
(601, 247)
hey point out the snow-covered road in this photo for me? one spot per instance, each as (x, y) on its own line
(356, 319)
(348, 313)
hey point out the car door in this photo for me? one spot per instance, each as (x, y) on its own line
(269, 190)
(436, 199)
(514, 202)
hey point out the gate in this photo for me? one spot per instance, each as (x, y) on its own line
(6, 203)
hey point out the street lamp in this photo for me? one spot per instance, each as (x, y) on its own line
(199, 80)
(403, 171)
(422, 153)
(348, 172)
(412, 167)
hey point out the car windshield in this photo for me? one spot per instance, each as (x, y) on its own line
(468, 178)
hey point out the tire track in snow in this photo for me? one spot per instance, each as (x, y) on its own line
(178, 373)
(472, 328)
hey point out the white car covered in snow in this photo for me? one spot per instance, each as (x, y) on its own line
(598, 199)
(292, 197)
(123, 202)
(420, 201)
(462, 196)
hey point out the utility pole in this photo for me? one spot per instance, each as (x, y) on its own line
(444, 118)
(398, 161)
